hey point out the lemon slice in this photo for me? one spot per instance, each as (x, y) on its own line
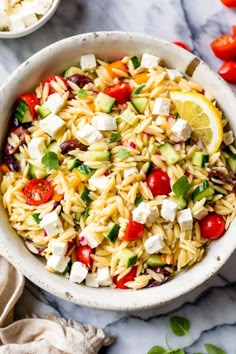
(203, 117)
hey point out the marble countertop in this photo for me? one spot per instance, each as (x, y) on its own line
(211, 309)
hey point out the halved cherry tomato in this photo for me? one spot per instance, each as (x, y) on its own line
(38, 191)
(53, 78)
(228, 71)
(121, 92)
(134, 231)
(83, 255)
(212, 226)
(159, 182)
(229, 3)
(31, 100)
(182, 45)
(128, 277)
(224, 47)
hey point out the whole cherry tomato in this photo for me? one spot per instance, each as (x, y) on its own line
(134, 231)
(83, 255)
(31, 100)
(182, 45)
(121, 92)
(38, 191)
(159, 182)
(229, 3)
(212, 226)
(224, 47)
(228, 71)
(128, 277)
(52, 78)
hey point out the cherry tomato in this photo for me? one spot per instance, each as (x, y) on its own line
(53, 78)
(128, 277)
(182, 45)
(228, 71)
(83, 255)
(31, 100)
(134, 231)
(38, 191)
(121, 92)
(224, 47)
(212, 226)
(159, 182)
(234, 30)
(229, 3)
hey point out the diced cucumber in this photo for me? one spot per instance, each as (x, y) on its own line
(73, 164)
(181, 202)
(138, 89)
(104, 103)
(181, 186)
(22, 112)
(84, 172)
(73, 70)
(155, 261)
(139, 103)
(43, 111)
(129, 117)
(36, 172)
(85, 196)
(97, 155)
(169, 153)
(113, 232)
(127, 257)
(200, 158)
(203, 190)
(232, 163)
(138, 201)
(135, 62)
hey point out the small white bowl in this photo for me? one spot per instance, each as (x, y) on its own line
(34, 27)
(111, 45)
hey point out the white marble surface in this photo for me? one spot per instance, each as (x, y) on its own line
(211, 308)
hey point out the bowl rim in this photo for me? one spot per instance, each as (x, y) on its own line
(113, 299)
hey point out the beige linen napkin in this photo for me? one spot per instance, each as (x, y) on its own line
(45, 335)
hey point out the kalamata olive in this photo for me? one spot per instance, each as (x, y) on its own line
(21, 133)
(70, 145)
(154, 282)
(11, 162)
(80, 80)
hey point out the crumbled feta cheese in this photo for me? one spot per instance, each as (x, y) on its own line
(51, 224)
(89, 134)
(228, 138)
(52, 124)
(185, 219)
(130, 171)
(16, 23)
(55, 102)
(104, 122)
(58, 263)
(4, 5)
(141, 213)
(100, 183)
(149, 61)
(91, 280)
(90, 235)
(58, 248)
(182, 129)
(4, 21)
(88, 62)
(103, 276)
(154, 244)
(29, 17)
(198, 210)
(41, 7)
(169, 210)
(173, 74)
(161, 106)
(36, 147)
(78, 272)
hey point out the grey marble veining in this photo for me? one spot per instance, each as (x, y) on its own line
(210, 308)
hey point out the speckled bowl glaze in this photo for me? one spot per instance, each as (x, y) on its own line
(111, 46)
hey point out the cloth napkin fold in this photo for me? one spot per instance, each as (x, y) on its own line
(48, 334)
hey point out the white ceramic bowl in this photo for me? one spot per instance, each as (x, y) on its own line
(35, 26)
(55, 59)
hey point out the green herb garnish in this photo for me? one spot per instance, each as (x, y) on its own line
(50, 160)
(36, 218)
(123, 154)
(180, 326)
(138, 201)
(81, 93)
(212, 349)
(138, 89)
(115, 137)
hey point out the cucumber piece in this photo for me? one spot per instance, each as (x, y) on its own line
(232, 163)
(181, 186)
(138, 201)
(73, 70)
(22, 112)
(104, 103)
(135, 62)
(73, 164)
(138, 89)
(127, 257)
(43, 111)
(84, 172)
(200, 158)
(139, 103)
(181, 202)
(155, 261)
(169, 153)
(113, 232)
(85, 196)
(97, 155)
(37, 173)
(203, 190)
(129, 117)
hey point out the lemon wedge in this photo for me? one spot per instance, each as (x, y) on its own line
(202, 115)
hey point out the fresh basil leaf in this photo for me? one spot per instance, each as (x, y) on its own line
(212, 349)
(177, 351)
(81, 93)
(198, 353)
(123, 154)
(181, 186)
(36, 217)
(50, 160)
(115, 137)
(138, 201)
(157, 350)
(180, 326)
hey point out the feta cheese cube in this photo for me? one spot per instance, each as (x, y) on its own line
(130, 171)
(36, 147)
(4, 21)
(154, 244)
(41, 7)
(29, 18)
(4, 5)
(90, 235)
(91, 280)
(51, 224)
(141, 213)
(88, 62)
(52, 124)
(89, 134)
(16, 23)
(78, 272)
(58, 263)
(149, 61)
(103, 276)
(161, 106)
(55, 102)
(182, 129)
(100, 183)
(173, 74)
(104, 122)
(228, 138)
(185, 219)
(58, 248)
(169, 210)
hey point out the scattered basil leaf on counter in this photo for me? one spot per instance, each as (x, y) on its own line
(115, 137)
(50, 160)
(157, 350)
(180, 326)
(198, 353)
(176, 351)
(123, 154)
(181, 186)
(177, 115)
(81, 93)
(138, 201)
(212, 349)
